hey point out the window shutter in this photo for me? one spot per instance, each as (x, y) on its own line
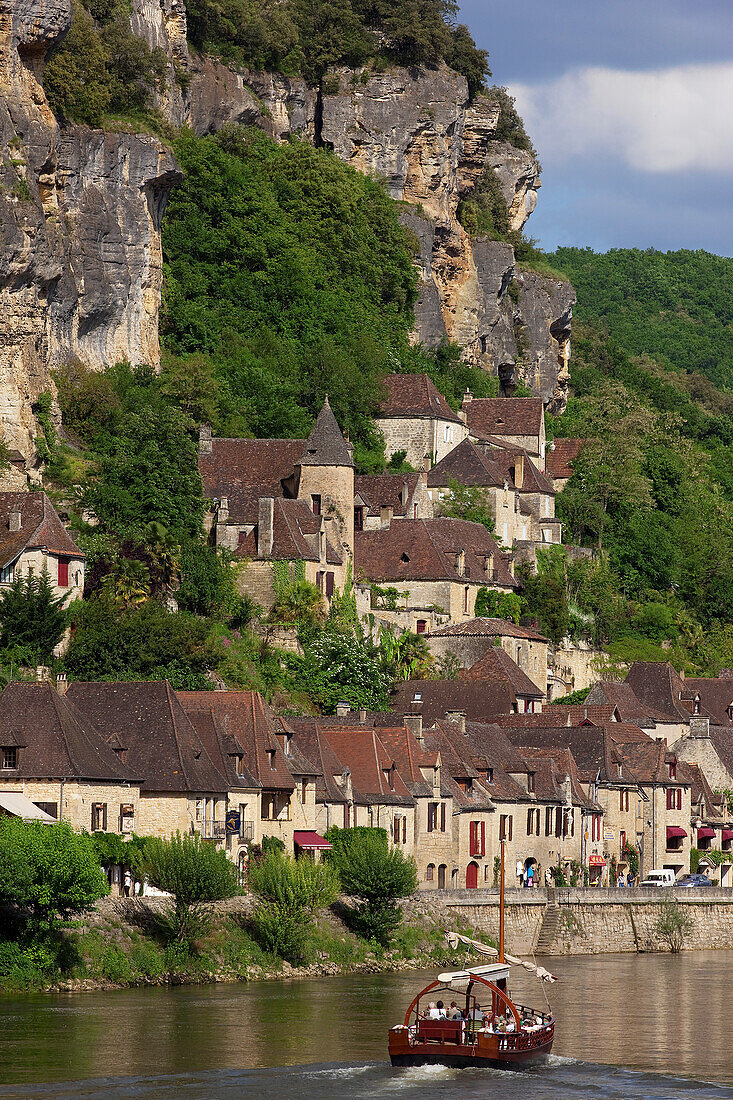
(104, 817)
(472, 837)
(404, 830)
(558, 821)
(329, 585)
(63, 574)
(483, 838)
(511, 823)
(442, 817)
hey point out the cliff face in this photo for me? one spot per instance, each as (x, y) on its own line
(80, 212)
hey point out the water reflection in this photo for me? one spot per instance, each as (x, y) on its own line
(645, 1012)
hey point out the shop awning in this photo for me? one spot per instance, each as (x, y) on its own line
(18, 805)
(596, 861)
(705, 833)
(727, 834)
(311, 842)
(674, 831)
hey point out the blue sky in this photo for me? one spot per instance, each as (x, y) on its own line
(630, 106)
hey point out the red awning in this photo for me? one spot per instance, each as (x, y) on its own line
(705, 834)
(596, 861)
(727, 834)
(675, 831)
(311, 841)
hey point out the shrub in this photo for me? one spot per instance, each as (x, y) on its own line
(673, 925)
(290, 892)
(195, 872)
(377, 876)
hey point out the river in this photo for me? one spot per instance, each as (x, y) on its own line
(629, 1026)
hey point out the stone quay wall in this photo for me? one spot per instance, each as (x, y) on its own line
(582, 921)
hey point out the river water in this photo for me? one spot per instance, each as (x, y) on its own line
(628, 1026)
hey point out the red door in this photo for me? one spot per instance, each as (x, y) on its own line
(472, 876)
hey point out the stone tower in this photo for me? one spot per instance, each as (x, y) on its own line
(326, 478)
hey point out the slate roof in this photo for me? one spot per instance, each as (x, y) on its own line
(428, 549)
(624, 698)
(56, 741)
(501, 416)
(560, 455)
(595, 748)
(551, 768)
(386, 491)
(485, 627)
(701, 790)
(414, 395)
(470, 465)
(534, 481)
(148, 721)
(496, 666)
(649, 763)
(658, 685)
(217, 737)
(482, 702)
(40, 528)
(295, 531)
(326, 446)
(574, 714)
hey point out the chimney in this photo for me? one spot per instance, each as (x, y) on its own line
(43, 674)
(461, 563)
(489, 565)
(222, 512)
(205, 444)
(457, 716)
(342, 709)
(385, 516)
(427, 462)
(467, 399)
(362, 714)
(14, 520)
(265, 524)
(405, 493)
(413, 722)
(519, 471)
(61, 683)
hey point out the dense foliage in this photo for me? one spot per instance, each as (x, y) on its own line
(290, 892)
(32, 619)
(377, 876)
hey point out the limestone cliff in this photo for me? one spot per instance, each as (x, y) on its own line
(80, 213)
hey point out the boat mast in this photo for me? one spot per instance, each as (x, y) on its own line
(501, 906)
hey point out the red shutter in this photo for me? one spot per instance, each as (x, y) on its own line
(483, 838)
(404, 830)
(472, 837)
(679, 798)
(670, 794)
(63, 574)
(511, 822)
(442, 817)
(396, 830)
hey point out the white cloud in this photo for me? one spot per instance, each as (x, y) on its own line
(668, 120)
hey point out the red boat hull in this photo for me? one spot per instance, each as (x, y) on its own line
(511, 1051)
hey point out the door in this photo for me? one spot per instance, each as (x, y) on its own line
(441, 876)
(472, 876)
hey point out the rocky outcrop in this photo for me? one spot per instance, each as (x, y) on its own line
(80, 214)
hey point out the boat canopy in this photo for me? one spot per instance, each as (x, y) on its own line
(494, 972)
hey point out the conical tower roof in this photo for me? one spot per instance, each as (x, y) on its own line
(326, 445)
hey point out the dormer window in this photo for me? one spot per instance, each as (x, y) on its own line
(239, 764)
(9, 757)
(271, 758)
(619, 770)
(288, 746)
(490, 775)
(696, 705)
(121, 755)
(530, 782)
(673, 769)
(389, 776)
(316, 504)
(405, 559)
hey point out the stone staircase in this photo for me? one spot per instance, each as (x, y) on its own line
(549, 928)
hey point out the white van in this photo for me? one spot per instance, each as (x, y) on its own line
(662, 876)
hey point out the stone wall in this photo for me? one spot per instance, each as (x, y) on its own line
(591, 921)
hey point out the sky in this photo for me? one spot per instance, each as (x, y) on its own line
(630, 106)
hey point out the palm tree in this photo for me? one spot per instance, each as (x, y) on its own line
(128, 583)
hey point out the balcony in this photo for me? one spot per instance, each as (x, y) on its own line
(247, 830)
(212, 830)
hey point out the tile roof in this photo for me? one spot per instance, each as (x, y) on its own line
(149, 722)
(217, 737)
(326, 446)
(368, 760)
(623, 697)
(40, 528)
(658, 685)
(702, 791)
(309, 740)
(409, 756)
(650, 763)
(559, 456)
(414, 395)
(485, 627)
(534, 481)
(716, 697)
(386, 491)
(496, 666)
(56, 740)
(470, 465)
(295, 534)
(428, 549)
(574, 714)
(501, 416)
(552, 769)
(246, 469)
(481, 702)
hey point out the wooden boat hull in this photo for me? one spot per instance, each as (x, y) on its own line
(495, 1051)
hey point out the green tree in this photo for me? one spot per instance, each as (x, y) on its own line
(127, 584)
(467, 502)
(673, 925)
(31, 617)
(195, 873)
(301, 604)
(290, 893)
(343, 666)
(377, 876)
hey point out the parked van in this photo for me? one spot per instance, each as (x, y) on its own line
(661, 876)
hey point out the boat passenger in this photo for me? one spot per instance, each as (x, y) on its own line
(500, 1025)
(454, 1012)
(441, 1010)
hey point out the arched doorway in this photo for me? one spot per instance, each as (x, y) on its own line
(530, 871)
(472, 876)
(441, 876)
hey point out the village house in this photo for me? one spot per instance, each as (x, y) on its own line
(560, 455)
(712, 696)
(285, 507)
(496, 666)
(711, 827)
(33, 540)
(144, 723)
(436, 567)
(710, 747)
(656, 684)
(380, 498)
(630, 708)
(468, 641)
(522, 498)
(479, 701)
(414, 417)
(52, 759)
(507, 421)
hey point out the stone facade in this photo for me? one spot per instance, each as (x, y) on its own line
(572, 666)
(420, 437)
(76, 801)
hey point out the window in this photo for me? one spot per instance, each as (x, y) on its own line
(623, 800)
(7, 574)
(127, 818)
(477, 837)
(50, 808)
(430, 872)
(347, 816)
(447, 433)
(316, 504)
(530, 822)
(10, 757)
(63, 573)
(672, 769)
(505, 827)
(358, 518)
(304, 791)
(595, 827)
(421, 626)
(466, 592)
(271, 758)
(558, 821)
(622, 842)
(239, 764)
(319, 580)
(99, 817)
(436, 817)
(674, 798)
(414, 511)
(530, 782)
(548, 820)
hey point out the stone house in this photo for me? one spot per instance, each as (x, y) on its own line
(468, 641)
(182, 789)
(567, 813)
(656, 684)
(560, 455)
(496, 666)
(667, 785)
(712, 696)
(479, 700)
(380, 498)
(628, 707)
(437, 567)
(710, 747)
(710, 826)
(512, 421)
(53, 757)
(33, 538)
(283, 502)
(415, 417)
(522, 498)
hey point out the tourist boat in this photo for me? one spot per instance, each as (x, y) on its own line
(491, 1030)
